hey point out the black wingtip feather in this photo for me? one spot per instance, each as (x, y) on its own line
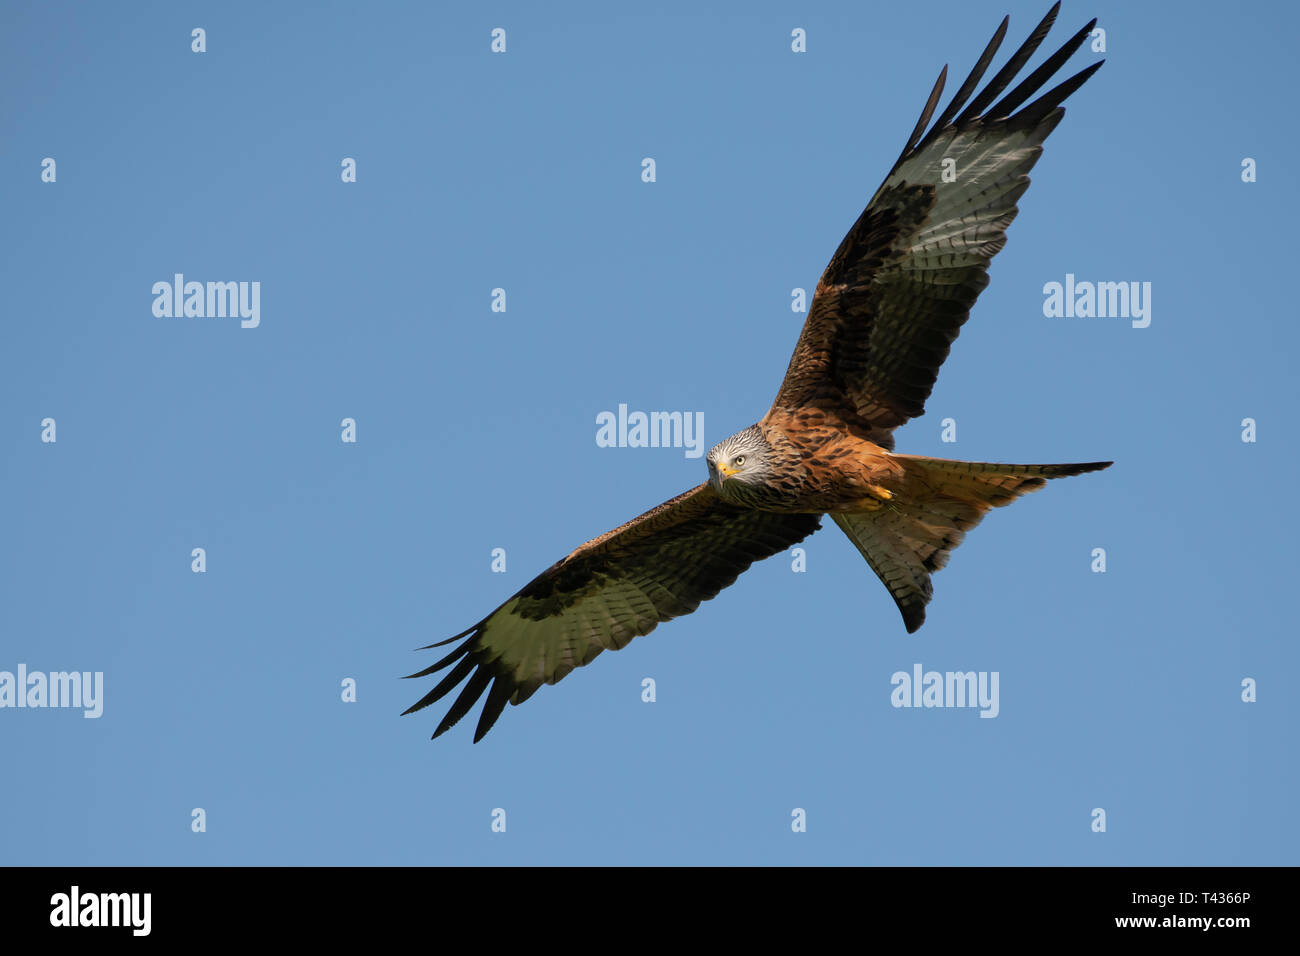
(979, 108)
(453, 678)
(935, 93)
(460, 651)
(972, 81)
(454, 637)
(1012, 67)
(497, 698)
(1007, 105)
(469, 696)
(1039, 108)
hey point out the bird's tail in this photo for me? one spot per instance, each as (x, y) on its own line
(931, 507)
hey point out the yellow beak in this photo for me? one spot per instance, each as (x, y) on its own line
(725, 470)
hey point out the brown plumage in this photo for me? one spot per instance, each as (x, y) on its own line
(884, 315)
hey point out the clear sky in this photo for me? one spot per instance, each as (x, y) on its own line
(476, 429)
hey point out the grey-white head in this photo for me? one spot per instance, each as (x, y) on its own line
(745, 457)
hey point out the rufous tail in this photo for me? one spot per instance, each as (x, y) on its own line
(937, 501)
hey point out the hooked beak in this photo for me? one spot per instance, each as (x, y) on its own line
(719, 474)
(722, 473)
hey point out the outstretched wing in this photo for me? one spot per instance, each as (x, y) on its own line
(612, 589)
(903, 281)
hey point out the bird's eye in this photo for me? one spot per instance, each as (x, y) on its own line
(740, 460)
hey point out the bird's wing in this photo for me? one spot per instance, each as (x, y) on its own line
(616, 587)
(902, 282)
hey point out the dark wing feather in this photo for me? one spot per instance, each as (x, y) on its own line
(903, 281)
(616, 587)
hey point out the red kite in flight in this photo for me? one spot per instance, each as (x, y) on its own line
(884, 315)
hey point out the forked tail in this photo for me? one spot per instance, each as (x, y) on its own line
(936, 503)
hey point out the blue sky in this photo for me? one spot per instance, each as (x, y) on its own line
(476, 430)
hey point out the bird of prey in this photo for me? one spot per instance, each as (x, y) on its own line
(881, 322)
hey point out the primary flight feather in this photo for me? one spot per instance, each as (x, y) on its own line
(884, 315)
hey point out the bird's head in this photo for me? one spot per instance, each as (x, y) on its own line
(745, 457)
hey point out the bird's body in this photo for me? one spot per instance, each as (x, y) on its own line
(812, 465)
(882, 320)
